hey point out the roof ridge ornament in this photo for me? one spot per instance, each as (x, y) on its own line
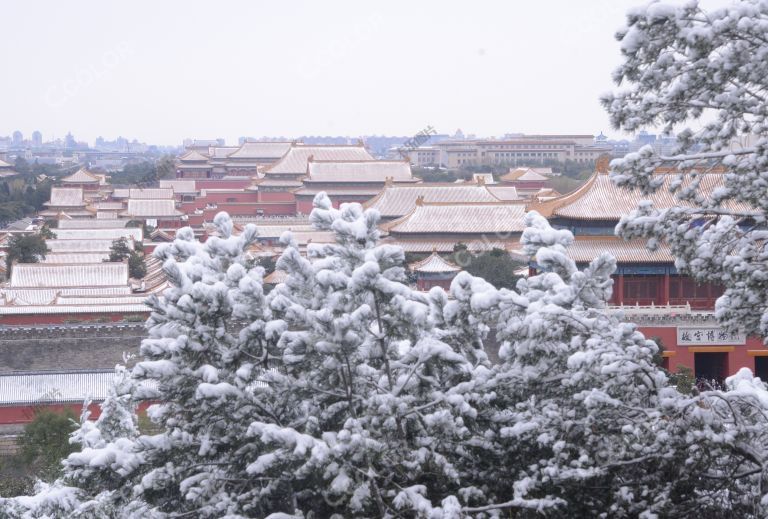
(603, 164)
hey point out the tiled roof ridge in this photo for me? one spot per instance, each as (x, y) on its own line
(548, 207)
(434, 257)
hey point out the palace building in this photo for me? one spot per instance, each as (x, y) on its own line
(440, 227)
(397, 200)
(666, 303)
(350, 180)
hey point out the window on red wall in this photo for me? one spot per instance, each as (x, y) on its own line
(640, 287)
(687, 288)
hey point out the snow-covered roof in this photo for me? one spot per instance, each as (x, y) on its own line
(274, 182)
(121, 192)
(342, 190)
(278, 276)
(81, 176)
(434, 264)
(295, 160)
(46, 296)
(108, 206)
(87, 257)
(359, 171)
(121, 308)
(397, 200)
(600, 199)
(523, 175)
(221, 152)
(54, 386)
(151, 208)
(427, 245)
(275, 231)
(151, 193)
(52, 275)
(100, 233)
(66, 197)
(506, 193)
(261, 150)
(585, 249)
(461, 218)
(483, 178)
(193, 156)
(179, 186)
(81, 246)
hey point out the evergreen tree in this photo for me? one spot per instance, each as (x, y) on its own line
(25, 248)
(686, 67)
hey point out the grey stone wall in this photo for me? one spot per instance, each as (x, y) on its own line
(68, 347)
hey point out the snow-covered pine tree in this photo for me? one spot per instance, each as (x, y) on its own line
(205, 355)
(583, 424)
(706, 72)
(92, 482)
(376, 419)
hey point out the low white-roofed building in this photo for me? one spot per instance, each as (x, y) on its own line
(151, 193)
(434, 271)
(47, 296)
(82, 246)
(66, 197)
(52, 275)
(293, 164)
(83, 178)
(87, 257)
(91, 224)
(99, 233)
(395, 201)
(151, 208)
(500, 219)
(357, 171)
(48, 387)
(504, 193)
(180, 187)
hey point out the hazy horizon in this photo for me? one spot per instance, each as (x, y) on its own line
(163, 72)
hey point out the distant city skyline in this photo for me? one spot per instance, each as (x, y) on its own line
(163, 72)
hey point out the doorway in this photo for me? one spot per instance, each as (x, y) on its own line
(711, 368)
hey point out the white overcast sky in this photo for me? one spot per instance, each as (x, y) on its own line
(161, 71)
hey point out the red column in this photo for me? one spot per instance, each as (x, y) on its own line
(665, 290)
(620, 291)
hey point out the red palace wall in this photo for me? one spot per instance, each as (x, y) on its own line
(737, 356)
(24, 414)
(212, 183)
(277, 196)
(10, 320)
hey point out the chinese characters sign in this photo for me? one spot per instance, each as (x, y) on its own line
(706, 335)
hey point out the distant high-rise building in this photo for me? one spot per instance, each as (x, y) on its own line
(69, 141)
(37, 139)
(18, 138)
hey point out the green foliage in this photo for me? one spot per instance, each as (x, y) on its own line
(25, 248)
(497, 267)
(166, 167)
(684, 380)
(47, 233)
(119, 250)
(439, 175)
(147, 172)
(565, 184)
(20, 197)
(136, 267)
(16, 485)
(45, 442)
